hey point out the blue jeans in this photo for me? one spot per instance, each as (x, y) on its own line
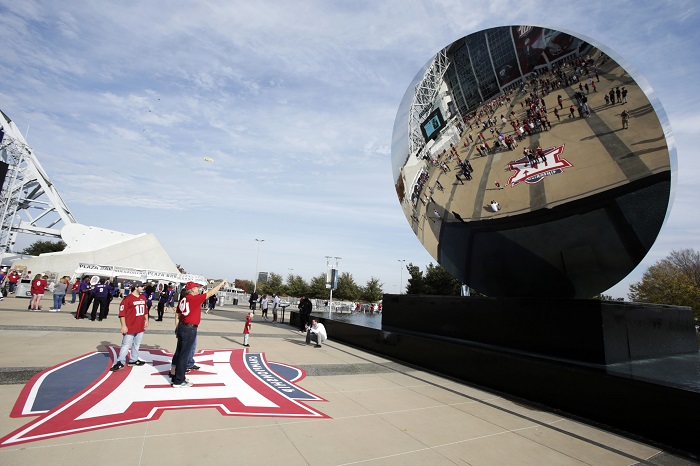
(190, 356)
(73, 293)
(186, 337)
(57, 300)
(132, 340)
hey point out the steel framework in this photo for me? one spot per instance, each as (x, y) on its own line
(424, 98)
(29, 201)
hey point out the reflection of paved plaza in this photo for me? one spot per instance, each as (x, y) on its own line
(603, 156)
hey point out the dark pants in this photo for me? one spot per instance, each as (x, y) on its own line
(186, 336)
(304, 317)
(161, 310)
(83, 305)
(102, 303)
(316, 338)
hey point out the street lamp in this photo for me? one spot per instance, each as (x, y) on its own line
(401, 263)
(256, 264)
(330, 276)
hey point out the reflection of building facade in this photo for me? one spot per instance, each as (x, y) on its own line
(487, 63)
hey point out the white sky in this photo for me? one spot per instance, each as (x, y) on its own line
(295, 102)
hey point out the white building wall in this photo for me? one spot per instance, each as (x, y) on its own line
(105, 247)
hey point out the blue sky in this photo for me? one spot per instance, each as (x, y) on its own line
(295, 102)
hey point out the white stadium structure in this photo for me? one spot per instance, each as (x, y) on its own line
(31, 205)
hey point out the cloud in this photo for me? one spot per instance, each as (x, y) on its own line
(295, 102)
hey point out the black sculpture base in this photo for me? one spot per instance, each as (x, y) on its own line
(574, 356)
(593, 331)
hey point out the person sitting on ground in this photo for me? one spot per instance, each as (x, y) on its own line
(317, 332)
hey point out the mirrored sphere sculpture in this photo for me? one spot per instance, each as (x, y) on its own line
(529, 162)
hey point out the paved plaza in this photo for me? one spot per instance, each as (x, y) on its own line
(372, 410)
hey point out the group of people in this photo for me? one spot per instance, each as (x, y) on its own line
(265, 304)
(315, 331)
(38, 287)
(134, 310)
(101, 294)
(98, 295)
(134, 317)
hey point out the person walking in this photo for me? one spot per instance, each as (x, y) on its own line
(133, 317)
(246, 329)
(625, 119)
(212, 303)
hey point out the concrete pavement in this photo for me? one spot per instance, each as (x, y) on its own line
(379, 411)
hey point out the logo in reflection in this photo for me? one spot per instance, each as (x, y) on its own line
(534, 170)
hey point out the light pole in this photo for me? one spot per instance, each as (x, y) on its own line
(256, 264)
(401, 263)
(330, 285)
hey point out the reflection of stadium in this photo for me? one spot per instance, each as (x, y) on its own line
(582, 216)
(490, 62)
(468, 73)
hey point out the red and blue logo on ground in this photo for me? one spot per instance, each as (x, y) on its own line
(81, 395)
(525, 172)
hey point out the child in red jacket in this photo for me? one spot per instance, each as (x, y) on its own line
(246, 329)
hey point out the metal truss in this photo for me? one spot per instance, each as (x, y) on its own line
(29, 201)
(424, 98)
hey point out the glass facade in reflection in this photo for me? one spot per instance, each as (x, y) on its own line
(493, 61)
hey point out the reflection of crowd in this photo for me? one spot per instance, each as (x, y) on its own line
(418, 187)
(499, 113)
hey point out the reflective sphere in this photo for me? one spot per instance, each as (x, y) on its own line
(529, 162)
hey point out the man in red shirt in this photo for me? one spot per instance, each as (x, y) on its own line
(187, 318)
(133, 315)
